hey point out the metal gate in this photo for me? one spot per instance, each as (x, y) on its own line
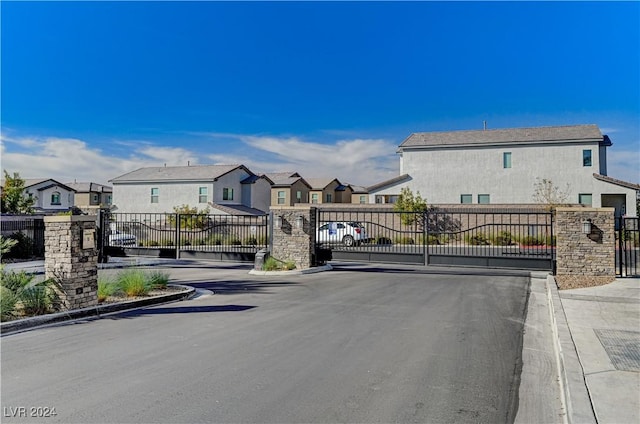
(509, 238)
(627, 247)
(183, 236)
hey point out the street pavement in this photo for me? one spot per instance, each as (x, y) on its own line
(580, 354)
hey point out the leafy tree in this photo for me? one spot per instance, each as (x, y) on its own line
(190, 217)
(13, 199)
(407, 202)
(544, 191)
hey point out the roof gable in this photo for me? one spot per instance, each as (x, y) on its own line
(45, 183)
(534, 135)
(321, 183)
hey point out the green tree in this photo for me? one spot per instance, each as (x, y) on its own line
(13, 199)
(407, 202)
(190, 217)
(544, 191)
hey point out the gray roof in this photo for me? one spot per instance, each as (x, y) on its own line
(278, 177)
(90, 187)
(320, 183)
(178, 173)
(388, 183)
(29, 182)
(505, 136)
(617, 182)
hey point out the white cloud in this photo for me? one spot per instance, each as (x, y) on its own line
(624, 165)
(358, 161)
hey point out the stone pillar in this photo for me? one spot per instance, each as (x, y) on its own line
(584, 260)
(71, 258)
(294, 235)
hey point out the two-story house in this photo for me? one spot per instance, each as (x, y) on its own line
(328, 190)
(91, 196)
(288, 188)
(220, 188)
(50, 195)
(502, 166)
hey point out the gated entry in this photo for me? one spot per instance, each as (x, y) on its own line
(183, 236)
(627, 247)
(510, 238)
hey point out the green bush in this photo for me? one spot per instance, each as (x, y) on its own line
(8, 303)
(533, 241)
(21, 296)
(250, 241)
(478, 239)
(133, 282)
(22, 248)
(504, 238)
(271, 264)
(158, 279)
(107, 287)
(383, 240)
(404, 240)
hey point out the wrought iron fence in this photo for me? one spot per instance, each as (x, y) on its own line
(510, 237)
(627, 246)
(184, 232)
(28, 231)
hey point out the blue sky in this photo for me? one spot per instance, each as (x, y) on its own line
(92, 90)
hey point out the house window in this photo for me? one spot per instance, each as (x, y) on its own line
(586, 157)
(314, 197)
(585, 199)
(281, 197)
(227, 193)
(95, 198)
(466, 198)
(55, 198)
(155, 192)
(506, 160)
(483, 199)
(363, 199)
(108, 199)
(298, 196)
(329, 198)
(202, 195)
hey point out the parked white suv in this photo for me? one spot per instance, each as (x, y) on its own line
(347, 233)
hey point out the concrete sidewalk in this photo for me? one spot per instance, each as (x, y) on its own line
(598, 333)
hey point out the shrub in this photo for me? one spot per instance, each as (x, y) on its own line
(404, 240)
(38, 299)
(133, 282)
(289, 265)
(158, 279)
(532, 241)
(22, 248)
(106, 287)
(504, 238)
(271, 264)
(383, 240)
(8, 302)
(22, 296)
(478, 239)
(250, 241)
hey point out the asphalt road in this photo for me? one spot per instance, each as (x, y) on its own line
(356, 344)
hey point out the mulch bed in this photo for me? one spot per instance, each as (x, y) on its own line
(567, 282)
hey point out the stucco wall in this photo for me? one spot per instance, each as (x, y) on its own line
(443, 175)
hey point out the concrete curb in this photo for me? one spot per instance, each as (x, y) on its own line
(293, 272)
(17, 326)
(575, 396)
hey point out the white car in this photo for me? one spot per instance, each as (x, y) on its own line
(118, 238)
(347, 233)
